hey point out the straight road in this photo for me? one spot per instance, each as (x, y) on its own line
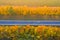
(30, 22)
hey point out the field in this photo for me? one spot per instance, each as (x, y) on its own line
(29, 13)
(29, 32)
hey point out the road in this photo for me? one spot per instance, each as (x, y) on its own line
(30, 22)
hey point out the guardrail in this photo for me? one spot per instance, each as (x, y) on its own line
(30, 22)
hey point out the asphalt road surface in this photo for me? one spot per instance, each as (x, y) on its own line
(30, 22)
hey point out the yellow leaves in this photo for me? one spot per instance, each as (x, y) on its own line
(1, 28)
(30, 31)
(38, 37)
(32, 35)
(32, 10)
(40, 28)
(14, 28)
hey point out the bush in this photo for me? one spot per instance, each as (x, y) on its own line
(29, 33)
